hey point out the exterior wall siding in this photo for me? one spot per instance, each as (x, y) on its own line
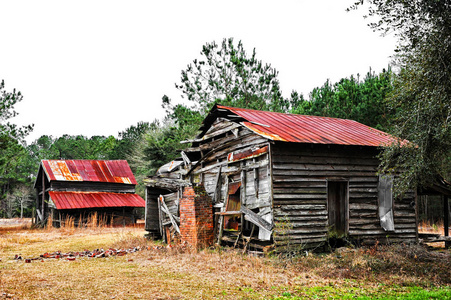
(300, 175)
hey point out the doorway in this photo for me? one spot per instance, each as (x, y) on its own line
(337, 204)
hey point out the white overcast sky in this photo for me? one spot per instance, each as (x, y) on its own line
(98, 67)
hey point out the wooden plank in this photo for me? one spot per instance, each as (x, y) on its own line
(381, 232)
(246, 141)
(305, 236)
(229, 213)
(362, 206)
(256, 180)
(160, 219)
(300, 196)
(254, 218)
(320, 150)
(312, 167)
(446, 220)
(313, 230)
(310, 224)
(300, 190)
(217, 193)
(246, 154)
(299, 213)
(301, 218)
(326, 160)
(212, 168)
(286, 178)
(319, 173)
(165, 209)
(299, 184)
(299, 241)
(214, 131)
(288, 202)
(303, 207)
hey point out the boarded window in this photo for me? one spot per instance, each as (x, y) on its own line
(385, 195)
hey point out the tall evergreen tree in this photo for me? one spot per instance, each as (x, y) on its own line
(351, 98)
(422, 92)
(226, 74)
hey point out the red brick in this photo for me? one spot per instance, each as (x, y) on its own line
(196, 217)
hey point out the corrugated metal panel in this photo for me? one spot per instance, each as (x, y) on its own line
(89, 170)
(310, 129)
(78, 200)
(246, 154)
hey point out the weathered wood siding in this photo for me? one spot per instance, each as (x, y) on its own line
(300, 173)
(82, 186)
(152, 221)
(224, 139)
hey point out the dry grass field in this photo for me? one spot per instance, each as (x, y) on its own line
(161, 272)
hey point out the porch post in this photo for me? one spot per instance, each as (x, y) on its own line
(446, 219)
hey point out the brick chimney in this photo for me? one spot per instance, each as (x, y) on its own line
(196, 217)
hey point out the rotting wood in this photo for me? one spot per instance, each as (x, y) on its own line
(310, 167)
(214, 133)
(325, 160)
(242, 193)
(227, 169)
(165, 209)
(248, 239)
(254, 218)
(246, 154)
(217, 193)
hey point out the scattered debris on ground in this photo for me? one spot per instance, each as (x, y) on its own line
(97, 253)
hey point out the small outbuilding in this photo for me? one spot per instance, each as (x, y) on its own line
(283, 180)
(85, 188)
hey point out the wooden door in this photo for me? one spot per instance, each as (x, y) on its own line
(337, 204)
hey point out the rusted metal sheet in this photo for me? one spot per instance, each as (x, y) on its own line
(78, 200)
(246, 154)
(310, 129)
(233, 187)
(114, 171)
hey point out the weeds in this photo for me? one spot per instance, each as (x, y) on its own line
(180, 271)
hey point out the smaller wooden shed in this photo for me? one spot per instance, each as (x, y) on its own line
(82, 188)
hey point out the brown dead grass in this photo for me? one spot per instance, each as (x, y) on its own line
(428, 227)
(180, 272)
(436, 228)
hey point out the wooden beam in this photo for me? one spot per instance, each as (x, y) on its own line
(218, 186)
(252, 217)
(165, 209)
(446, 219)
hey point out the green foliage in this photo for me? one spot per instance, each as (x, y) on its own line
(128, 138)
(422, 89)
(350, 98)
(73, 147)
(14, 167)
(227, 75)
(7, 102)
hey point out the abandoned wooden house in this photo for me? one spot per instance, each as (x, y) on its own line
(283, 180)
(81, 189)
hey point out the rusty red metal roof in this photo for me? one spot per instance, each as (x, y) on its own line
(115, 171)
(78, 200)
(307, 129)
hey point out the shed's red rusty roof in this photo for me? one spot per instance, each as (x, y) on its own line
(78, 200)
(308, 129)
(117, 171)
